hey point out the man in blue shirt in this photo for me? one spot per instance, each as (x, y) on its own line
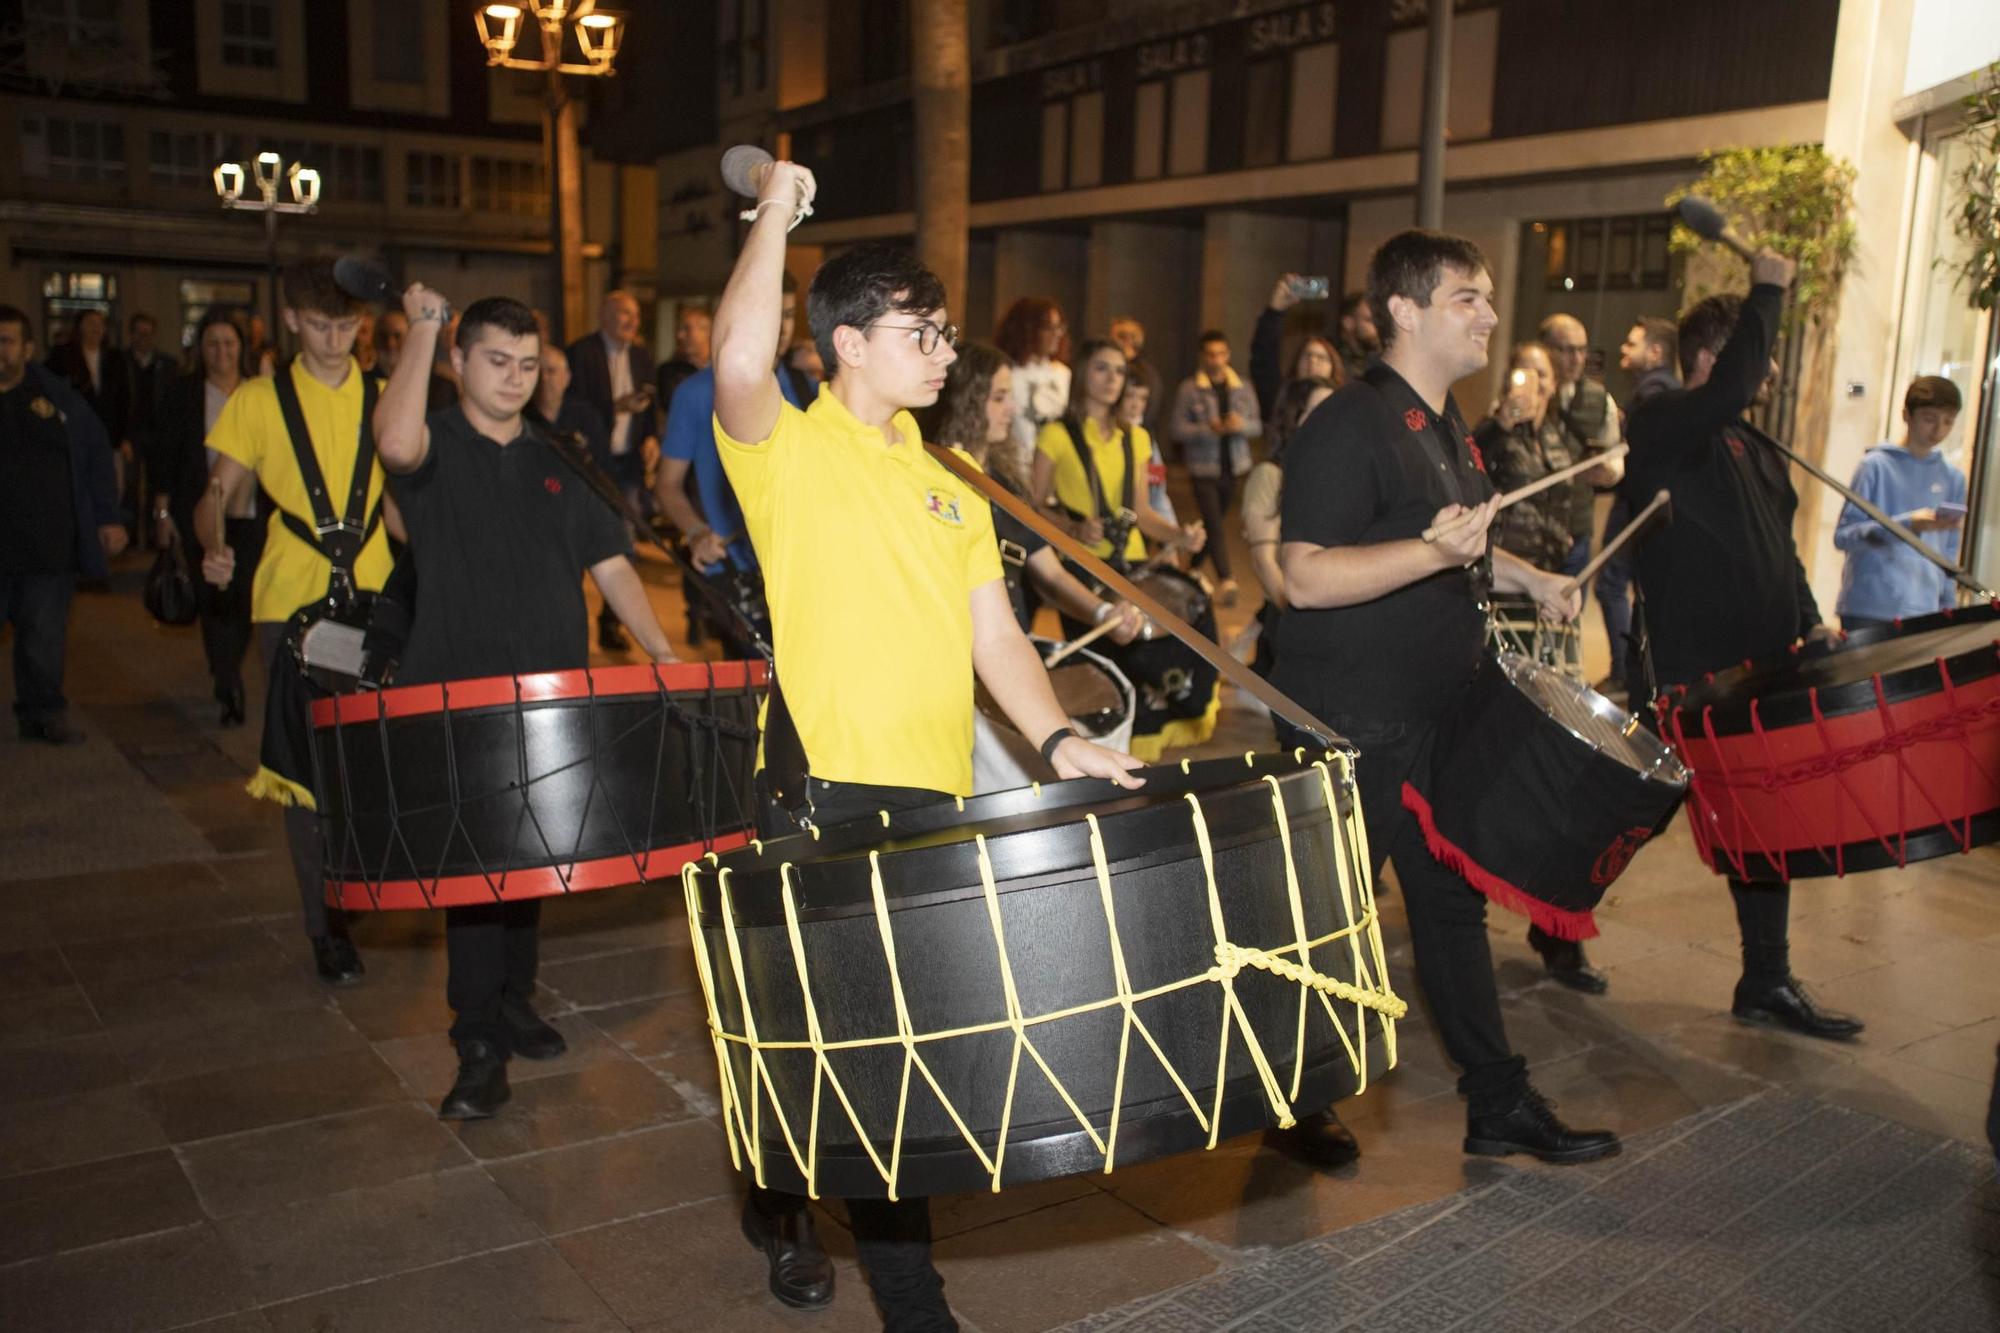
(1885, 580)
(714, 535)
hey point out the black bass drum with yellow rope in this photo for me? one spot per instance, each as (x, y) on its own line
(1043, 981)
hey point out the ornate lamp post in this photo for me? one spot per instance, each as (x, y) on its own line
(598, 36)
(267, 170)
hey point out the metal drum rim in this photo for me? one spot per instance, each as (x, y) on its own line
(1667, 769)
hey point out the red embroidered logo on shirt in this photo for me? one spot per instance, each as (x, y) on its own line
(551, 485)
(1415, 418)
(1478, 459)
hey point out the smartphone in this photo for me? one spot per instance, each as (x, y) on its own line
(1519, 379)
(1951, 507)
(1311, 289)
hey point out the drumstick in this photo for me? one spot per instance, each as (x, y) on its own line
(215, 497)
(1589, 571)
(1431, 534)
(1104, 627)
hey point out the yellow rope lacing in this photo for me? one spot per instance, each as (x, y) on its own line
(1370, 991)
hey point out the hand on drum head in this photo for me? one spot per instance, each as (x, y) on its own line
(1078, 758)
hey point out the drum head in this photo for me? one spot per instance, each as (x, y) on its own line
(1175, 591)
(1595, 720)
(1089, 696)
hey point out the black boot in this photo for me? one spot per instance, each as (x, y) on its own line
(1531, 1127)
(231, 699)
(336, 960)
(481, 1087)
(531, 1035)
(1318, 1139)
(1566, 964)
(1785, 1004)
(801, 1274)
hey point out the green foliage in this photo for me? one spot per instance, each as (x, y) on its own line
(1798, 199)
(1977, 219)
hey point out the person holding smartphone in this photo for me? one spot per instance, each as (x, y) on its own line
(612, 370)
(1914, 483)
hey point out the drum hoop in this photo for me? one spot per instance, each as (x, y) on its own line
(1668, 770)
(549, 881)
(538, 688)
(1797, 705)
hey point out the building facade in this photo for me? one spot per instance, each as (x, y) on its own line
(114, 114)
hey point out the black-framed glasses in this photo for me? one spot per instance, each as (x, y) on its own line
(928, 334)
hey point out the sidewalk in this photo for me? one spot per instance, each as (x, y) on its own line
(195, 1133)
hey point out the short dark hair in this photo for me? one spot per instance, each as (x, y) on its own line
(1660, 332)
(1410, 264)
(12, 314)
(222, 316)
(1211, 336)
(141, 317)
(496, 312)
(1932, 391)
(1706, 328)
(859, 286)
(309, 288)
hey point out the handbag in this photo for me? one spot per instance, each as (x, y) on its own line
(169, 594)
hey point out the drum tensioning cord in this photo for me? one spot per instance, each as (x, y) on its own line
(1213, 653)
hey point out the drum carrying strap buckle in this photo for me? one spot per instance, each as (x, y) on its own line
(1013, 553)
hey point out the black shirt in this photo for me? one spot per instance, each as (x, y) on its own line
(502, 536)
(1375, 464)
(1723, 580)
(37, 504)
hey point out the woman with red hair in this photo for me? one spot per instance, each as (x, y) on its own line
(1035, 341)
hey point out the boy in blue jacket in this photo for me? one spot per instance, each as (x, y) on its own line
(1913, 483)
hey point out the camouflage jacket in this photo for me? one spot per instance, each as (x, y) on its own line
(1538, 528)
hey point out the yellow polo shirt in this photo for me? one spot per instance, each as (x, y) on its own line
(251, 430)
(1073, 486)
(870, 553)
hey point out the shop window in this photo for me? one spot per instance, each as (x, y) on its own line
(1608, 254)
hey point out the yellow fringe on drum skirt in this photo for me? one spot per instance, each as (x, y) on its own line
(1182, 731)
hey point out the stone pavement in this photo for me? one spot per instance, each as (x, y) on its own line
(195, 1134)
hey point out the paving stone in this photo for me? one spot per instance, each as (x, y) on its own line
(528, 1286)
(74, 1206)
(1230, 1295)
(158, 1281)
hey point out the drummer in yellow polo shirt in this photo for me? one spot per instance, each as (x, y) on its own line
(255, 447)
(886, 599)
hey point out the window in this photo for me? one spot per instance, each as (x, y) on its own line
(1607, 254)
(250, 33)
(1264, 112)
(58, 148)
(1475, 38)
(745, 53)
(432, 181)
(1073, 127)
(74, 23)
(396, 29)
(1149, 131)
(509, 185)
(1187, 140)
(1315, 82)
(65, 295)
(198, 296)
(354, 173)
(183, 157)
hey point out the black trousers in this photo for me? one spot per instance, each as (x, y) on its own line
(302, 838)
(892, 1240)
(1447, 916)
(1212, 496)
(491, 951)
(1764, 918)
(37, 606)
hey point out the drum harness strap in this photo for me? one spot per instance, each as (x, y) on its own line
(1118, 523)
(338, 539)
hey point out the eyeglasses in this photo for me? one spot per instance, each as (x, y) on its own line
(928, 334)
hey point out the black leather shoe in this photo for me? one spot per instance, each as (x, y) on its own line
(337, 960)
(231, 699)
(1531, 1127)
(611, 636)
(50, 731)
(1566, 964)
(1318, 1139)
(1786, 1005)
(533, 1038)
(481, 1087)
(801, 1274)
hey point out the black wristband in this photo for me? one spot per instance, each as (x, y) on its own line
(1056, 737)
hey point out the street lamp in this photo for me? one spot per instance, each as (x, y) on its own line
(598, 36)
(266, 170)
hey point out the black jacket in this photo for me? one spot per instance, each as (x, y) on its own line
(111, 399)
(590, 381)
(1722, 582)
(176, 459)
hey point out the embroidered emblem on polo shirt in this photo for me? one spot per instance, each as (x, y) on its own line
(1415, 418)
(42, 408)
(943, 506)
(1478, 459)
(551, 485)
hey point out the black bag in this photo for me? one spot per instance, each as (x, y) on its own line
(169, 594)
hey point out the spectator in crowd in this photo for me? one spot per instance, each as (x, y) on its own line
(262, 356)
(1036, 341)
(1648, 354)
(392, 326)
(364, 342)
(100, 376)
(149, 371)
(1521, 441)
(692, 332)
(58, 520)
(1081, 460)
(975, 415)
(1135, 406)
(612, 370)
(1915, 484)
(1315, 359)
(1263, 496)
(803, 359)
(1359, 343)
(566, 413)
(179, 465)
(1590, 424)
(1130, 335)
(1215, 414)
